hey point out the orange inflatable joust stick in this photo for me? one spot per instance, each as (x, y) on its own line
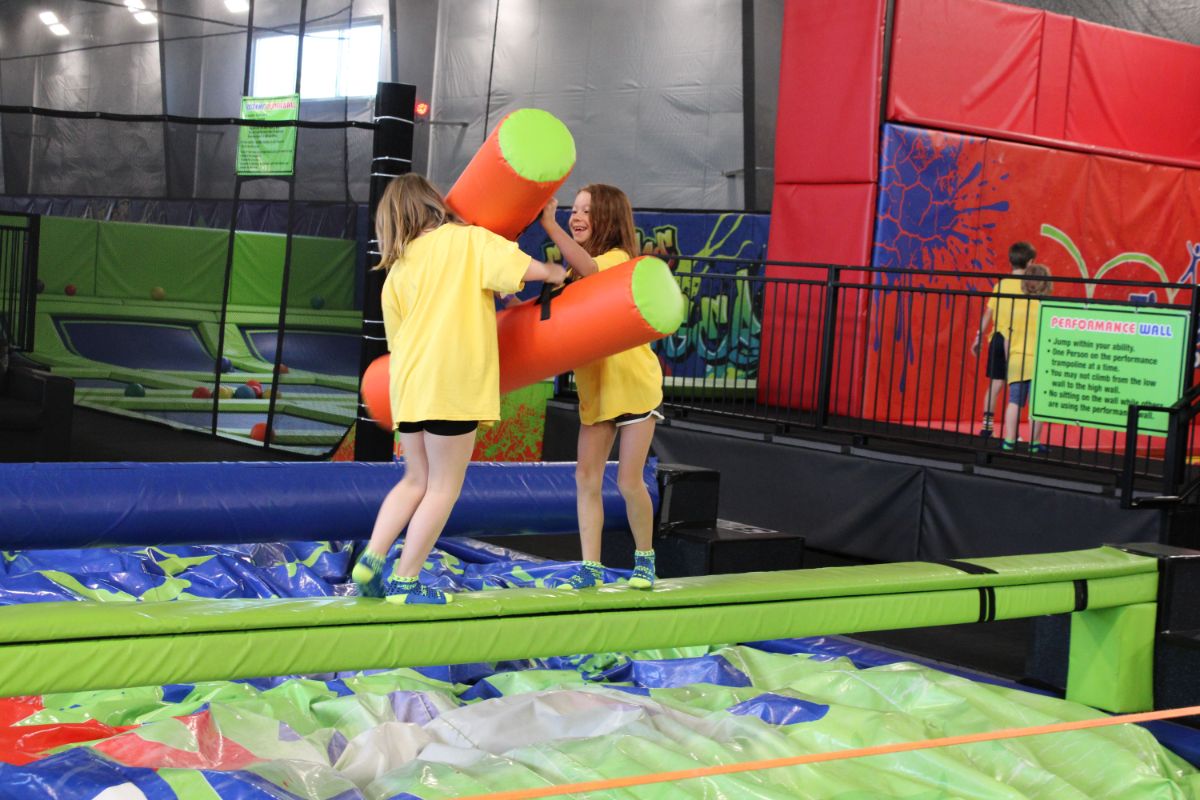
(515, 173)
(609, 312)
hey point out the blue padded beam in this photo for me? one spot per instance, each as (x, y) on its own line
(109, 504)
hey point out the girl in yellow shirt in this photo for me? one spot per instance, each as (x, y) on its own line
(619, 394)
(444, 378)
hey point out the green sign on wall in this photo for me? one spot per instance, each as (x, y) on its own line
(1093, 362)
(268, 151)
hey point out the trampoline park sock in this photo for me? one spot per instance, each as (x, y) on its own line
(586, 575)
(1008, 444)
(368, 574)
(411, 591)
(643, 569)
(988, 418)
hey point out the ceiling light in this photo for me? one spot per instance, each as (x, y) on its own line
(145, 17)
(48, 17)
(58, 29)
(237, 6)
(135, 5)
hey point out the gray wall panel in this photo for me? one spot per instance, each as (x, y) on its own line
(650, 90)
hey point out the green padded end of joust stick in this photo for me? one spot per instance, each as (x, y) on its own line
(537, 145)
(657, 295)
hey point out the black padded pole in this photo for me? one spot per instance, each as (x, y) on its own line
(391, 155)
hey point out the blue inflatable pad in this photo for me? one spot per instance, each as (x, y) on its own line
(111, 504)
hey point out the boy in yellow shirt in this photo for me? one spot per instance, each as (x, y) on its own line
(996, 369)
(1021, 335)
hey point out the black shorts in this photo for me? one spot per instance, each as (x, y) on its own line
(439, 427)
(997, 359)
(629, 419)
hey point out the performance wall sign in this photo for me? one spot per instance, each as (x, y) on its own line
(268, 151)
(1094, 362)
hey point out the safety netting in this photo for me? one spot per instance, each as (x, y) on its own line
(191, 269)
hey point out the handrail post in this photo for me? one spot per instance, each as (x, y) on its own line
(1130, 459)
(828, 325)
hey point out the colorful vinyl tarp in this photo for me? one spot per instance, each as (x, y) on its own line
(441, 732)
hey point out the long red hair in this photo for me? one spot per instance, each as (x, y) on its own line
(612, 221)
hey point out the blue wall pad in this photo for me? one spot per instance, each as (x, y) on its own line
(106, 504)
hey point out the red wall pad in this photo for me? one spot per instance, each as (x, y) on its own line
(1134, 92)
(830, 68)
(826, 163)
(832, 225)
(1054, 71)
(985, 67)
(966, 64)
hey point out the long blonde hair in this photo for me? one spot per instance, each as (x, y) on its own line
(410, 205)
(1033, 283)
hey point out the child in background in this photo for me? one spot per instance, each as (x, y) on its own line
(440, 321)
(1021, 334)
(996, 369)
(618, 395)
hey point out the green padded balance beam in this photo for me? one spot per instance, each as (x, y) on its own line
(76, 646)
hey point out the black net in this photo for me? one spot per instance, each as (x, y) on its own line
(166, 284)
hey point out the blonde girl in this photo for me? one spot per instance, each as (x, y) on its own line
(440, 321)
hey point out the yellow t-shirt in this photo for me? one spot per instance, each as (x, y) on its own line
(1016, 320)
(629, 382)
(439, 316)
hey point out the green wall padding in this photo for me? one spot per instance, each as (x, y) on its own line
(128, 261)
(67, 255)
(321, 268)
(187, 263)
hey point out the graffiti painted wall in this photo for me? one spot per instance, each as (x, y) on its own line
(950, 202)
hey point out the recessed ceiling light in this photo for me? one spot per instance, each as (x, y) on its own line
(145, 17)
(237, 6)
(48, 17)
(58, 29)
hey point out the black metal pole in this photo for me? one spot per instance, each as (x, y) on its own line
(828, 333)
(749, 143)
(391, 155)
(233, 220)
(285, 282)
(162, 83)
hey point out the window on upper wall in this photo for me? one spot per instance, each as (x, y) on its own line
(338, 62)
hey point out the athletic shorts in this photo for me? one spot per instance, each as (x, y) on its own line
(1018, 392)
(997, 358)
(632, 419)
(439, 427)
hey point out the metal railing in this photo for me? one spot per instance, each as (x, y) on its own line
(1177, 468)
(874, 353)
(18, 278)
